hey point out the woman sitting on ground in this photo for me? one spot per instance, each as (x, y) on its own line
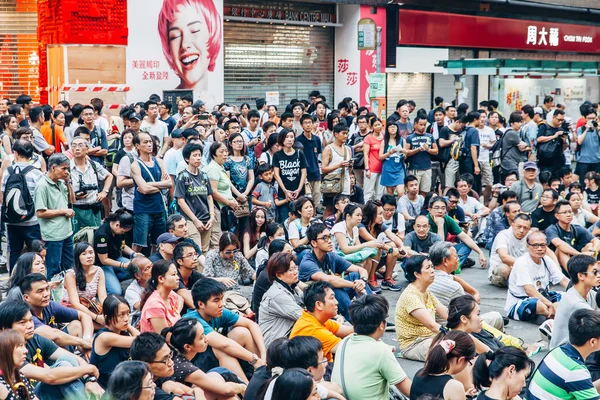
(227, 264)
(257, 224)
(160, 305)
(85, 282)
(131, 380)
(111, 344)
(304, 209)
(27, 263)
(446, 358)
(13, 353)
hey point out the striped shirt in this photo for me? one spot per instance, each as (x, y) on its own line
(562, 375)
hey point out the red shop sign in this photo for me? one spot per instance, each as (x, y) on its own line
(424, 28)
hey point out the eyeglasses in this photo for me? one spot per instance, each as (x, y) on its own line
(293, 269)
(78, 145)
(166, 360)
(595, 272)
(325, 361)
(566, 212)
(230, 252)
(326, 238)
(538, 245)
(547, 197)
(195, 255)
(453, 201)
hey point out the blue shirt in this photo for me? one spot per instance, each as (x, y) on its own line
(55, 314)
(170, 123)
(312, 149)
(98, 138)
(331, 265)
(227, 320)
(471, 139)
(588, 151)
(422, 160)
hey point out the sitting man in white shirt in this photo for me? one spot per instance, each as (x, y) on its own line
(509, 245)
(528, 293)
(474, 210)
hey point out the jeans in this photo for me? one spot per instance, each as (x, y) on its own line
(74, 390)
(283, 211)
(113, 276)
(463, 252)
(148, 224)
(18, 237)
(344, 296)
(59, 256)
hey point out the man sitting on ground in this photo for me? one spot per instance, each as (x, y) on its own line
(498, 219)
(509, 245)
(242, 348)
(140, 268)
(166, 242)
(316, 321)
(421, 239)
(544, 216)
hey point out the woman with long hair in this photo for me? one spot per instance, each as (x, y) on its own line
(272, 112)
(188, 338)
(13, 354)
(373, 166)
(332, 120)
(240, 169)
(227, 264)
(8, 125)
(389, 244)
(112, 253)
(111, 344)
(131, 380)
(243, 116)
(504, 372)
(297, 112)
(84, 280)
(28, 263)
(269, 151)
(304, 209)
(392, 154)
(446, 358)
(273, 231)
(295, 384)
(160, 305)
(57, 125)
(257, 224)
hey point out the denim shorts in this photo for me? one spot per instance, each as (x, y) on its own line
(148, 224)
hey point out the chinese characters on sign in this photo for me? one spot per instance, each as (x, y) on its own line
(342, 67)
(150, 66)
(542, 37)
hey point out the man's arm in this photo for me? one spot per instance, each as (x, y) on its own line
(466, 239)
(467, 288)
(564, 247)
(229, 346)
(335, 281)
(61, 338)
(59, 375)
(142, 186)
(256, 335)
(505, 257)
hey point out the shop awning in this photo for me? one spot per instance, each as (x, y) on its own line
(512, 67)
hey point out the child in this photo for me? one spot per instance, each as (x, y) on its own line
(592, 190)
(264, 193)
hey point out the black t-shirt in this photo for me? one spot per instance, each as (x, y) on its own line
(290, 167)
(183, 368)
(542, 219)
(261, 286)
(261, 375)
(483, 396)
(358, 196)
(195, 277)
(39, 350)
(359, 161)
(120, 154)
(106, 242)
(159, 393)
(548, 130)
(593, 196)
(194, 189)
(444, 152)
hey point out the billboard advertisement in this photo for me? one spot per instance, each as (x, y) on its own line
(175, 44)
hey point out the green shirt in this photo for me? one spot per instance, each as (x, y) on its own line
(50, 195)
(367, 380)
(216, 172)
(450, 226)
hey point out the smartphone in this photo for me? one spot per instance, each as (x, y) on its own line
(229, 110)
(203, 117)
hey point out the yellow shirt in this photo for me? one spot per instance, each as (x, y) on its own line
(408, 328)
(308, 325)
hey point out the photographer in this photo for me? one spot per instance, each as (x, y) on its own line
(588, 142)
(86, 177)
(552, 142)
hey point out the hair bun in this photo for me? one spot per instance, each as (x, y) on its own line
(490, 355)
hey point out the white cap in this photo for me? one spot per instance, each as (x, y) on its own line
(538, 110)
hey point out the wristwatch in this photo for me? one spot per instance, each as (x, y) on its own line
(89, 378)
(254, 359)
(106, 191)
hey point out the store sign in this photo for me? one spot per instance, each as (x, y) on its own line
(377, 85)
(423, 28)
(280, 15)
(367, 34)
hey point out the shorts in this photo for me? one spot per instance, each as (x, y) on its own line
(424, 178)
(148, 224)
(524, 310)
(486, 174)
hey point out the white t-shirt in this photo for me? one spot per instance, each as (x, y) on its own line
(486, 136)
(470, 206)
(582, 217)
(352, 239)
(401, 222)
(506, 240)
(158, 129)
(296, 230)
(527, 272)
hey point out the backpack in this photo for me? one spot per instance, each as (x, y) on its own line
(85, 234)
(18, 202)
(496, 152)
(456, 148)
(550, 150)
(114, 146)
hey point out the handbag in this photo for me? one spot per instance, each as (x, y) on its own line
(242, 211)
(91, 304)
(333, 184)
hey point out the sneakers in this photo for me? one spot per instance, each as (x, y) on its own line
(391, 284)
(389, 327)
(374, 286)
(468, 263)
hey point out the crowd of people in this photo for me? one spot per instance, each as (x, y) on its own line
(130, 238)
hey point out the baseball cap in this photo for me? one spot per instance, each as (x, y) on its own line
(167, 238)
(198, 103)
(538, 110)
(177, 133)
(530, 165)
(135, 116)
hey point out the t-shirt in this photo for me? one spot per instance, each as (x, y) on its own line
(570, 302)
(412, 207)
(471, 139)
(397, 226)
(133, 294)
(404, 129)
(352, 239)
(312, 149)
(444, 287)
(576, 237)
(548, 130)
(39, 143)
(226, 320)
(290, 168)
(107, 242)
(124, 170)
(194, 189)
(374, 143)
(359, 159)
(155, 307)
(51, 195)
(308, 325)
(368, 380)
(172, 158)
(421, 160)
(444, 152)
(39, 350)
(542, 219)
(171, 123)
(470, 205)
(31, 178)
(415, 243)
(332, 264)
(158, 129)
(55, 314)
(512, 156)
(506, 240)
(98, 139)
(296, 230)
(529, 198)
(486, 137)
(593, 196)
(408, 328)
(450, 226)
(588, 151)
(526, 272)
(266, 192)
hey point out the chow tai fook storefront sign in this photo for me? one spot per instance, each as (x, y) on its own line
(280, 15)
(424, 28)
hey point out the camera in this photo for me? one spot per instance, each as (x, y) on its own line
(565, 126)
(595, 124)
(84, 188)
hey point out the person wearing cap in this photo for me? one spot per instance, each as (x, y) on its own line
(514, 149)
(166, 243)
(199, 106)
(529, 192)
(135, 122)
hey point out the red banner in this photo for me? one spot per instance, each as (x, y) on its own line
(423, 28)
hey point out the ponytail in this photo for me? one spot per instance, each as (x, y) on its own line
(455, 344)
(490, 365)
(182, 333)
(159, 268)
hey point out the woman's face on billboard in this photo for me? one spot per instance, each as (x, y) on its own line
(188, 43)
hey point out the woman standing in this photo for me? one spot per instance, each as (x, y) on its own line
(289, 166)
(84, 280)
(8, 125)
(13, 354)
(256, 229)
(240, 169)
(373, 164)
(126, 148)
(392, 155)
(58, 126)
(337, 163)
(304, 209)
(272, 110)
(298, 112)
(332, 120)
(221, 187)
(131, 380)
(244, 110)
(160, 305)
(504, 372)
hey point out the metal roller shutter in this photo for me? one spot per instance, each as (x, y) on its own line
(407, 86)
(291, 60)
(443, 86)
(19, 59)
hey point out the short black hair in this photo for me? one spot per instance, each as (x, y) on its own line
(145, 346)
(413, 265)
(438, 100)
(493, 103)
(24, 148)
(264, 167)
(189, 149)
(388, 199)
(559, 204)
(579, 264)
(35, 112)
(301, 352)
(410, 178)
(23, 99)
(206, 288)
(314, 293)
(11, 312)
(30, 279)
(515, 116)
(583, 326)
(452, 192)
(314, 230)
(110, 307)
(178, 251)
(368, 312)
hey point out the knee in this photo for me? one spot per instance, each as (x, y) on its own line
(240, 334)
(75, 328)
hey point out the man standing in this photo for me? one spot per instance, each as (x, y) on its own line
(420, 147)
(98, 148)
(52, 197)
(164, 111)
(356, 143)
(529, 128)
(405, 127)
(36, 115)
(468, 162)
(439, 104)
(551, 141)
(487, 138)
(514, 150)
(450, 134)
(26, 102)
(149, 209)
(312, 149)
(154, 126)
(528, 190)
(588, 141)
(509, 245)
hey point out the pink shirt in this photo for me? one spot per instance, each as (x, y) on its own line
(155, 307)
(374, 145)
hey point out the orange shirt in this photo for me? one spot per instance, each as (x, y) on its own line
(308, 325)
(59, 135)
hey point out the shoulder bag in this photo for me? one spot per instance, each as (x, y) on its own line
(333, 183)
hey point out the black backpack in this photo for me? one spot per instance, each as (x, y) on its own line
(18, 202)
